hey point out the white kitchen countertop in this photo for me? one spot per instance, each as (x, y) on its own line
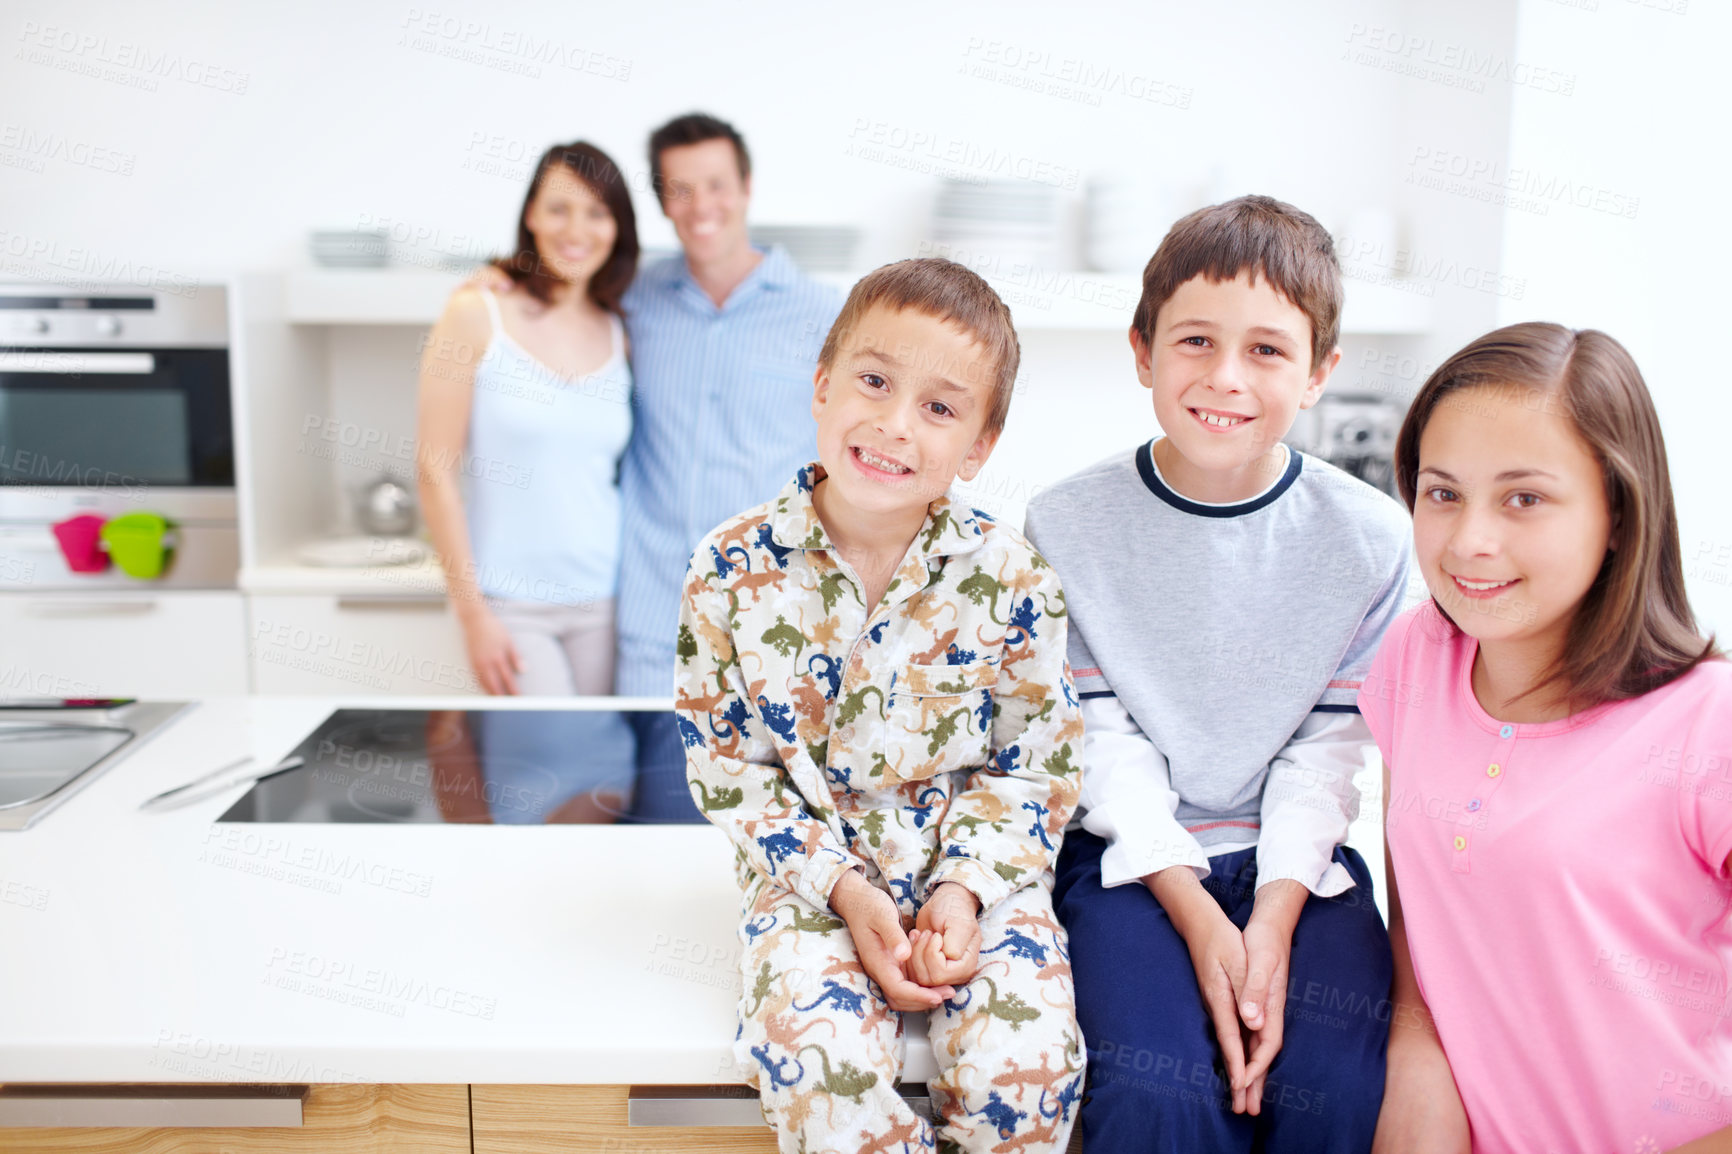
(422, 579)
(163, 947)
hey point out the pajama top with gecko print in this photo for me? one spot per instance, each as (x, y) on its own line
(936, 737)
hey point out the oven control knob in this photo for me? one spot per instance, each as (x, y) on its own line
(107, 326)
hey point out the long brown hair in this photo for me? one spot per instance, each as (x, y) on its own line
(602, 177)
(1633, 630)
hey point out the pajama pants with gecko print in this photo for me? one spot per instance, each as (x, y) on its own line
(825, 1050)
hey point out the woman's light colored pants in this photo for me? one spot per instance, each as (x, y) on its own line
(566, 650)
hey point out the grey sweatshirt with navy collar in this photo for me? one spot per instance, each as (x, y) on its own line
(1221, 628)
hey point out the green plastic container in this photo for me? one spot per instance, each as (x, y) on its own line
(139, 543)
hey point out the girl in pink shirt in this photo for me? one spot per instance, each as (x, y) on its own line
(1557, 742)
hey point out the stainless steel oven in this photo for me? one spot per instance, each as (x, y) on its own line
(117, 442)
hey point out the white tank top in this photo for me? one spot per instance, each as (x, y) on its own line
(542, 472)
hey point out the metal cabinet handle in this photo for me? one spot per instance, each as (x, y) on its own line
(151, 1105)
(389, 601)
(706, 1106)
(71, 608)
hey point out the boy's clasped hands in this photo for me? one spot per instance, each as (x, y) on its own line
(1242, 973)
(917, 969)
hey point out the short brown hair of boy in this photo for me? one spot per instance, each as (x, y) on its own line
(951, 293)
(1272, 239)
(1633, 631)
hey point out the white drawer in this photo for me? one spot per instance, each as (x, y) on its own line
(122, 644)
(324, 644)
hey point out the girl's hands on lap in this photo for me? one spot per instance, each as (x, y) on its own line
(946, 938)
(875, 924)
(492, 655)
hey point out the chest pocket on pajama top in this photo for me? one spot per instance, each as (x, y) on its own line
(939, 720)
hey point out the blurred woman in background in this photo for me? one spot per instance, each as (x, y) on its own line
(525, 409)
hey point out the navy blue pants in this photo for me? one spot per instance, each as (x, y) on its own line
(1156, 1078)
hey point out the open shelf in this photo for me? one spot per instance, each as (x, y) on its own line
(1039, 299)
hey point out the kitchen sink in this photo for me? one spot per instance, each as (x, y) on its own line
(51, 750)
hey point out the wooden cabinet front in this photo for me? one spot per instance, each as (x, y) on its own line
(335, 1119)
(413, 1119)
(591, 1120)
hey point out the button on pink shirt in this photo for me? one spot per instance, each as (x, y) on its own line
(1565, 898)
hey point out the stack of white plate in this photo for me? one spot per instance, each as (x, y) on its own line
(997, 224)
(336, 248)
(814, 247)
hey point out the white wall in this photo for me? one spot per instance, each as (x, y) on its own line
(1641, 141)
(235, 129)
(343, 117)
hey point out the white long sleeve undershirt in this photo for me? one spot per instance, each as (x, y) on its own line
(1309, 799)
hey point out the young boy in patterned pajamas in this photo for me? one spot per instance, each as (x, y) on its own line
(876, 708)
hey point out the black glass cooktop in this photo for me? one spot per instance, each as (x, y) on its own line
(502, 767)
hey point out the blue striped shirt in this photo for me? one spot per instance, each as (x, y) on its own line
(723, 417)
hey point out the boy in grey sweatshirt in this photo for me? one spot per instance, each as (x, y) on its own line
(1226, 595)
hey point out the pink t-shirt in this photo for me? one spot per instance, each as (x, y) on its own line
(1565, 897)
